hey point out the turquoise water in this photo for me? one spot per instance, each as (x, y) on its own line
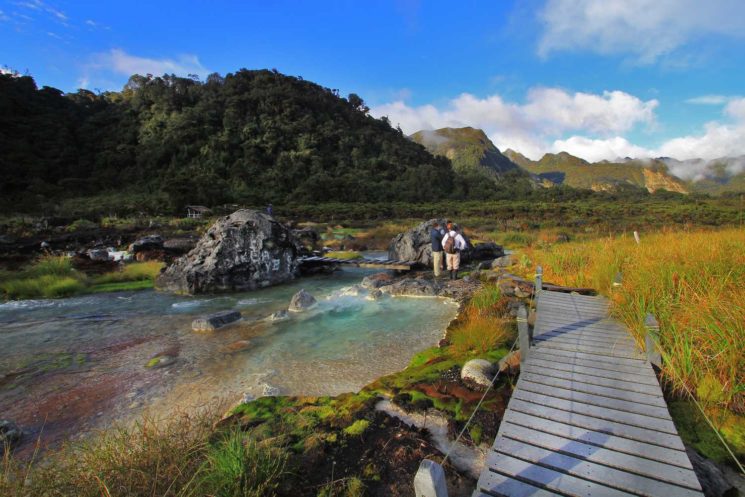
(96, 347)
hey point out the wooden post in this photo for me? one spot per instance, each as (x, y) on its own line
(538, 280)
(429, 480)
(636, 237)
(522, 332)
(651, 339)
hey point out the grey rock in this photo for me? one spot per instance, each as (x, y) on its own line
(244, 251)
(215, 321)
(712, 479)
(302, 301)
(376, 280)
(10, 433)
(411, 288)
(282, 315)
(308, 238)
(150, 242)
(375, 294)
(484, 266)
(504, 261)
(488, 250)
(479, 371)
(179, 245)
(98, 255)
(414, 245)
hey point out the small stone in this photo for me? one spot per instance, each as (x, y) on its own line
(238, 345)
(215, 321)
(510, 363)
(275, 317)
(375, 295)
(504, 261)
(479, 371)
(302, 301)
(10, 433)
(247, 397)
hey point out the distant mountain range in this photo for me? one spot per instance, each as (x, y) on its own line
(471, 150)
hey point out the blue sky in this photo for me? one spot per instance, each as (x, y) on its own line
(600, 79)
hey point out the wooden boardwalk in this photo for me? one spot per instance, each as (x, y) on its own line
(587, 417)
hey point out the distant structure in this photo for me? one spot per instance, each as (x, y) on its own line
(197, 211)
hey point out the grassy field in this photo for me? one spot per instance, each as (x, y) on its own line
(54, 277)
(693, 282)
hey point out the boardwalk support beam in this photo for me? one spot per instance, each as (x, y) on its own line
(523, 332)
(651, 339)
(538, 280)
(430, 480)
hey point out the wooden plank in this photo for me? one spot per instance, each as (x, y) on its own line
(611, 367)
(593, 399)
(636, 362)
(613, 442)
(625, 462)
(597, 424)
(601, 474)
(549, 479)
(547, 345)
(494, 484)
(608, 414)
(548, 324)
(619, 383)
(614, 393)
(617, 342)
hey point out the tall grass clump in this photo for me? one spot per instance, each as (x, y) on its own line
(48, 277)
(175, 458)
(693, 283)
(483, 327)
(137, 271)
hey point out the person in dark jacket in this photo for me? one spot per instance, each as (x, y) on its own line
(436, 235)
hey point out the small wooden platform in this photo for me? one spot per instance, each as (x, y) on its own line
(587, 417)
(364, 263)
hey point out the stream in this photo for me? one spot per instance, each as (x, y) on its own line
(69, 366)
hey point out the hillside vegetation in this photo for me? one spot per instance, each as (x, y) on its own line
(250, 137)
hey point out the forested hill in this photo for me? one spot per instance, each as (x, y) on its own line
(250, 137)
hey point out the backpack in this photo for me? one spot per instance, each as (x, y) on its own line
(449, 246)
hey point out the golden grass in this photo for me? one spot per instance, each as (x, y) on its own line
(692, 282)
(136, 271)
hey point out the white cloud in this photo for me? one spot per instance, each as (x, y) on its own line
(709, 100)
(526, 127)
(594, 150)
(120, 62)
(646, 29)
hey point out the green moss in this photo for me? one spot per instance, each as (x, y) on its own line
(153, 362)
(476, 432)
(357, 428)
(123, 286)
(695, 431)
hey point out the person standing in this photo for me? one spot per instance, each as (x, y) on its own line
(436, 235)
(452, 243)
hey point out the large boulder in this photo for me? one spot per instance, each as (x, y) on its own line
(215, 321)
(149, 242)
(414, 245)
(243, 251)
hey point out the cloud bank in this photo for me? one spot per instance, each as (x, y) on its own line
(587, 125)
(646, 29)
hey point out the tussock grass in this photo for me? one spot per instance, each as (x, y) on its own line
(692, 282)
(175, 458)
(137, 271)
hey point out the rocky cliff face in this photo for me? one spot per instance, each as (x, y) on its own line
(656, 180)
(243, 251)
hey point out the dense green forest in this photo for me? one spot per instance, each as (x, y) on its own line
(251, 137)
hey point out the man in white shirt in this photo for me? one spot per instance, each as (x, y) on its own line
(452, 243)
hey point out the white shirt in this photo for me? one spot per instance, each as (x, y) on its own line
(460, 242)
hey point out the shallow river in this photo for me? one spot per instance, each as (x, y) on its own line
(70, 365)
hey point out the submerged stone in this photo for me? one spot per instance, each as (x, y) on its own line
(302, 301)
(215, 321)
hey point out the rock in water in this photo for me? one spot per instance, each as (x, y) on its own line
(244, 251)
(282, 315)
(215, 321)
(411, 288)
(479, 371)
(302, 301)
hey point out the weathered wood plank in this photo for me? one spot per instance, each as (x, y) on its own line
(550, 479)
(619, 444)
(619, 416)
(601, 474)
(594, 399)
(614, 393)
(619, 383)
(494, 484)
(606, 370)
(568, 338)
(593, 453)
(597, 424)
(568, 354)
(589, 350)
(638, 368)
